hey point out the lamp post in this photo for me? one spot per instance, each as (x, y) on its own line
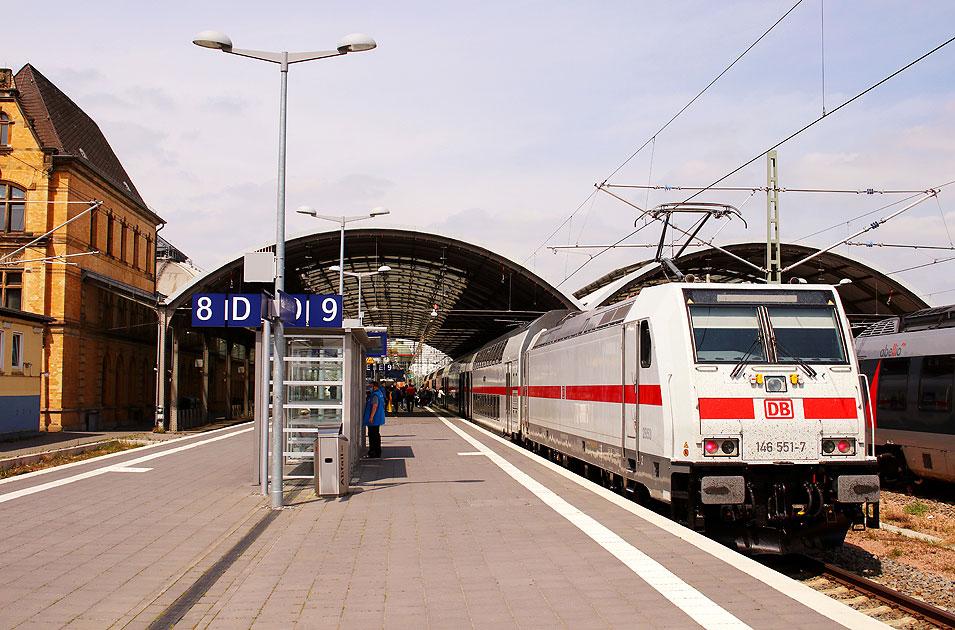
(376, 212)
(360, 275)
(355, 42)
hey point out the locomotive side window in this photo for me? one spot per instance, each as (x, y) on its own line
(935, 385)
(810, 334)
(645, 344)
(726, 334)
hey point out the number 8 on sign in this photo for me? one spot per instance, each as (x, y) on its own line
(209, 309)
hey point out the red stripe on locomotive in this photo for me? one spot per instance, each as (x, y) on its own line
(727, 409)
(829, 408)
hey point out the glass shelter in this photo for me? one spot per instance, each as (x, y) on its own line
(324, 391)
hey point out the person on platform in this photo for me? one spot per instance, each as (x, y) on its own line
(409, 397)
(374, 418)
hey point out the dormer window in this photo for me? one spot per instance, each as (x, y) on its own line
(4, 130)
(12, 208)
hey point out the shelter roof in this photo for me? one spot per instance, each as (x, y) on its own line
(871, 296)
(477, 295)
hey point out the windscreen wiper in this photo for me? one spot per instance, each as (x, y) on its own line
(745, 358)
(811, 373)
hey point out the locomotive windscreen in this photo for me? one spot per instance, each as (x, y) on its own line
(731, 325)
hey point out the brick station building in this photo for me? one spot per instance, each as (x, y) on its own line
(100, 352)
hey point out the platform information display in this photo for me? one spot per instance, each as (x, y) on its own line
(247, 310)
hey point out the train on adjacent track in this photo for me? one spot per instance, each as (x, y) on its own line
(738, 407)
(910, 364)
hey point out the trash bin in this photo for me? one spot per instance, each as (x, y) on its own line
(331, 463)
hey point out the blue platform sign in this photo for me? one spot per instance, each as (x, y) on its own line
(301, 312)
(379, 344)
(241, 310)
(209, 309)
(324, 311)
(286, 307)
(247, 310)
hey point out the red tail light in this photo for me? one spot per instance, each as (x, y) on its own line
(844, 446)
(711, 446)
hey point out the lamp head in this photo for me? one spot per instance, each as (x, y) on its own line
(306, 210)
(356, 42)
(213, 39)
(384, 269)
(335, 268)
(377, 212)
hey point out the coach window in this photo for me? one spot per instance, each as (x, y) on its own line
(935, 385)
(645, 344)
(12, 208)
(893, 385)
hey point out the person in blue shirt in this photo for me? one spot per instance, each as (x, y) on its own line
(374, 418)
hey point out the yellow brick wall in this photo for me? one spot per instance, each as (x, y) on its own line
(77, 345)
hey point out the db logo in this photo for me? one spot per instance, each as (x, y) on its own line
(778, 409)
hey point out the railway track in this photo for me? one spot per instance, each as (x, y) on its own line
(879, 601)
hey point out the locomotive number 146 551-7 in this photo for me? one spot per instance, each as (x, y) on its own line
(780, 447)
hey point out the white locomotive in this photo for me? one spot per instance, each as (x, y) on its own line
(740, 406)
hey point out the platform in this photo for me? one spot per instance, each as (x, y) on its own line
(452, 528)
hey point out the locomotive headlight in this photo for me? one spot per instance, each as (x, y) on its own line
(775, 384)
(720, 447)
(839, 446)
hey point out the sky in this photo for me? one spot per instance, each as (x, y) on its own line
(492, 121)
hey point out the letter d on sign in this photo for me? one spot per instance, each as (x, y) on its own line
(245, 310)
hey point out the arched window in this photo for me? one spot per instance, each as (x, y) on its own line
(12, 208)
(4, 130)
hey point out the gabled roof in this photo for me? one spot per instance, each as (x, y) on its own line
(61, 125)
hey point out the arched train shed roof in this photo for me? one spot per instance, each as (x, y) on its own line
(478, 295)
(871, 296)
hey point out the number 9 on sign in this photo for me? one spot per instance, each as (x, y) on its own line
(325, 311)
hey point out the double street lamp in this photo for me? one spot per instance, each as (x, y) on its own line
(360, 275)
(355, 42)
(342, 220)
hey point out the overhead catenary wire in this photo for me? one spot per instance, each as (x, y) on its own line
(653, 137)
(820, 118)
(871, 212)
(603, 186)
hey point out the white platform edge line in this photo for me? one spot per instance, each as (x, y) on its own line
(16, 494)
(823, 604)
(92, 460)
(700, 608)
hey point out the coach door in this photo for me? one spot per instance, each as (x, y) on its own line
(510, 401)
(631, 387)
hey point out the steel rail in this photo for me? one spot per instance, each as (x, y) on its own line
(915, 607)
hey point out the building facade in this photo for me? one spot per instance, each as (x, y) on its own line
(93, 270)
(21, 360)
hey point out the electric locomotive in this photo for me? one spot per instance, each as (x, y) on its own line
(740, 406)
